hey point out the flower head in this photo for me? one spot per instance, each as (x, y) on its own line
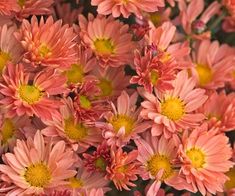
(8, 7)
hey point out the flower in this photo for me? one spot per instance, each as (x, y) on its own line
(123, 169)
(35, 167)
(205, 159)
(47, 43)
(212, 64)
(8, 7)
(157, 156)
(174, 110)
(24, 96)
(108, 38)
(124, 122)
(126, 7)
(10, 48)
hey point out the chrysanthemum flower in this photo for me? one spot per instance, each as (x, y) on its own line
(47, 43)
(205, 159)
(220, 115)
(124, 122)
(35, 167)
(108, 38)
(123, 169)
(212, 64)
(99, 160)
(68, 127)
(10, 48)
(157, 156)
(229, 21)
(8, 7)
(152, 72)
(126, 7)
(22, 96)
(174, 110)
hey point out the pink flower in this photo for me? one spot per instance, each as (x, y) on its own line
(47, 43)
(7, 7)
(174, 110)
(108, 38)
(212, 64)
(36, 167)
(123, 169)
(158, 156)
(25, 96)
(124, 122)
(205, 159)
(126, 7)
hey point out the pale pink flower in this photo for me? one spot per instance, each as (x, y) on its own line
(36, 167)
(158, 156)
(10, 48)
(123, 169)
(174, 110)
(124, 122)
(212, 64)
(205, 159)
(126, 7)
(220, 111)
(108, 38)
(23, 96)
(79, 134)
(8, 7)
(47, 43)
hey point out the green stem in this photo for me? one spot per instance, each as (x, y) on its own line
(217, 21)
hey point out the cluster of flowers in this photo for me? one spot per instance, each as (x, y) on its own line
(138, 93)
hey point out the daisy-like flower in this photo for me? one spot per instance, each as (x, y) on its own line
(220, 115)
(36, 167)
(157, 156)
(99, 160)
(33, 7)
(126, 7)
(124, 122)
(205, 159)
(152, 72)
(108, 38)
(47, 43)
(23, 96)
(10, 48)
(212, 64)
(174, 110)
(68, 127)
(7, 7)
(123, 169)
(229, 21)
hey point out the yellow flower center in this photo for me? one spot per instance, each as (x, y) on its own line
(7, 130)
(155, 18)
(173, 108)
(122, 121)
(4, 58)
(74, 131)
(231, 182)
(75, 74)
(21, 3)
(159, 162)
(75, 183)
(166, 57)
(100, 163)
(105, 87)
(197, 157)
(84, 102)
(104, 46)
(30, 94)
(38, 175)
(205, 74)
(154, 76)
(44, 50)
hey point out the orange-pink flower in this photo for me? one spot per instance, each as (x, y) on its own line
(47, 43)
(126, 7)
(36, 167)
(8, 7)
(108, 38)
(205, 159)
(174, 110)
